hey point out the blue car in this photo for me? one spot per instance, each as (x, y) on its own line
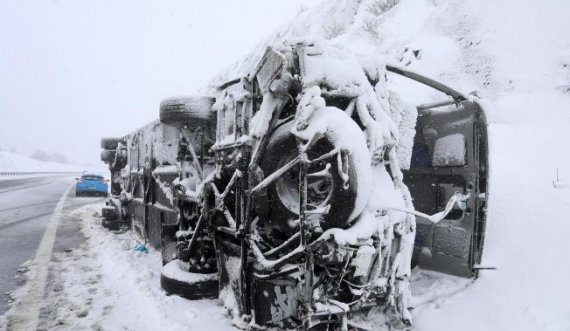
(91, 184)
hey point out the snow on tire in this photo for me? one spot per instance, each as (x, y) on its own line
(110, 213)
(325, 185)
(110, 224)
(110, 143)
(108, 156)
(193, 286)
(179, 111)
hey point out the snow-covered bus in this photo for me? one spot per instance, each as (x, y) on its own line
(303, 193)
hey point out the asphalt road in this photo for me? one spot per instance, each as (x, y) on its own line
(26, 207)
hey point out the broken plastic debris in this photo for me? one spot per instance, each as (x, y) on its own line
(140, 248)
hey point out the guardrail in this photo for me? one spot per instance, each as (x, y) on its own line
(30, 173)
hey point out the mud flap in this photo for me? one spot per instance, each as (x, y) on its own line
(276, 301)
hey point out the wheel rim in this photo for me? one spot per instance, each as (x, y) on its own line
(320, 183)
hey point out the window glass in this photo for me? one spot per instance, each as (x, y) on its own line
(91, 177)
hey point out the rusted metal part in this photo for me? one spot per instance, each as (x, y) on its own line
(309, 262)
(227, 230)
(275, 275)
(220, 197)
(195, 161)
(325, 156)
(274, 176)
(268, 69)
(270, 265)
(293, 240)
(244, 233)
(229, 217)
(199, 226)
(259, 149)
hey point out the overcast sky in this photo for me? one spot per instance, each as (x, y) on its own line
(73, 71)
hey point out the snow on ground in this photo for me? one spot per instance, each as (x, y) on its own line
(516, 54)
(106, 285)
(10, 162)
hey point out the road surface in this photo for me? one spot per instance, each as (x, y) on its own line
(26, 209)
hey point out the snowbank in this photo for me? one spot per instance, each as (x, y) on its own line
(107, 285)
(18, 163)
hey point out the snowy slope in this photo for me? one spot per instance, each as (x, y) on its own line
(18, 163)
(516, 54)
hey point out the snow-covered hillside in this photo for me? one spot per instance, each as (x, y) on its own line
(516, 54)
(10, 162)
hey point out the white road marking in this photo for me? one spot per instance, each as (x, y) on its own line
(25, 312)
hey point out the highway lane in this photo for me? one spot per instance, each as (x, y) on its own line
(26, 206)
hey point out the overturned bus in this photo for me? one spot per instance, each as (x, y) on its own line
(303, 193)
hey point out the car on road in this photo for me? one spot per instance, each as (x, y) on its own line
(91, 184)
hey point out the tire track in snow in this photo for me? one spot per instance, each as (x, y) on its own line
(24, 314)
